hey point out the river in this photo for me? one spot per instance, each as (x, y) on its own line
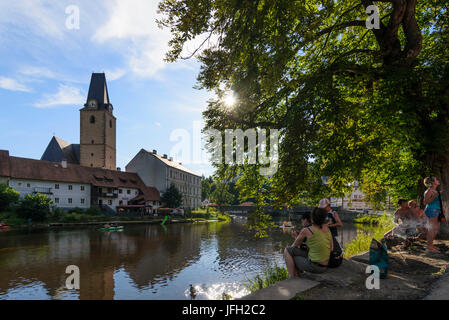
(140, 262)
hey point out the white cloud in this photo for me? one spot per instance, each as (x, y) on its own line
(13, 85)
(66, 95)
(38, 72)
(132, 24)
(38, 16)
(116, 74)
(158, 124)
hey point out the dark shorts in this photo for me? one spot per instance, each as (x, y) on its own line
(302, 261)
(432, 213)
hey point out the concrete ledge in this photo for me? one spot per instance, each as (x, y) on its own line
(348, 272)
(283, 290)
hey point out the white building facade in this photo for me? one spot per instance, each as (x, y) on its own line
(63, 195)
(160, 172)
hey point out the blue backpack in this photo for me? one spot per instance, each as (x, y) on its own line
(378, 256)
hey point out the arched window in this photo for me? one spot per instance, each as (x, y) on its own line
(92, 119)
(110, 123)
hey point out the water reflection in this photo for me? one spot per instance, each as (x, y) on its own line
(141, 262)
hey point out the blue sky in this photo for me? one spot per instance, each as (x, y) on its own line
(45, 70)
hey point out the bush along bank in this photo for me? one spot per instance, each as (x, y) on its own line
(378, 226)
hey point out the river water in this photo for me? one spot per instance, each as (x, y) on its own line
(140, 262)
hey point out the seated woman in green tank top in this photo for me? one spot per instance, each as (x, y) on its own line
(319, 243)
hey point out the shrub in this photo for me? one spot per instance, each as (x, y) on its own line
(8, 196)
(270, 276)
(77, 210)
(57, 214)
(93, 210)
(34, 206)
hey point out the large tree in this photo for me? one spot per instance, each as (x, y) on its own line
(351, 103)
(172, 197)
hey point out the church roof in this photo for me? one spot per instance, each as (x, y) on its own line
(98, 90)
(59, 149)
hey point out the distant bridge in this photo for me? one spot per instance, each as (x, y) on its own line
(294, 213)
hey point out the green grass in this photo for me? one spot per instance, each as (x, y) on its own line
(211, 214)
(271, 275)
(11, 219)
(381, 224)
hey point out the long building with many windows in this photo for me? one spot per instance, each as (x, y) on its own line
(161, 171)
(75, 186)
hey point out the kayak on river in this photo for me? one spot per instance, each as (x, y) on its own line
(108, 227)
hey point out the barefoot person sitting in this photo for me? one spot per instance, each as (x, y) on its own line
(319, 243)
(408, 222)
(420, 217)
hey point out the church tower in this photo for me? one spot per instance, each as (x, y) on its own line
(97, 127)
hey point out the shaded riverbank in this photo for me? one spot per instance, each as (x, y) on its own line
(414, 274)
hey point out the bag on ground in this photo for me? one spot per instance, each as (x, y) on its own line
(378, 256)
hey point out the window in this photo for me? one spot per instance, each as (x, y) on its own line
(110, 123)
(82, 188)
(70, 187)
(120, 202)
(56, 200)
(70, 200)
(120, 191)
(20, 184)
(92, 119)
(28, 185)
(93, 141)
(91, 165)
(82, 201)
(128, 191)
(110, 202)
(91, 154)
(56, 186)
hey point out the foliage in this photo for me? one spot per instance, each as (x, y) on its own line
(35, 207)
(211, 213)
(11, 219)
(93, 210)
(172, 197)
(207, 187)
(221, 195)
(350, 103)
(77, 210)
(271, 275)
(8, 196)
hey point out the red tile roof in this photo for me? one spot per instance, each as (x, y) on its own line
(23, 168)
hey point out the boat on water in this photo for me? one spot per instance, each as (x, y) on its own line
(118, 228)
(286, 225)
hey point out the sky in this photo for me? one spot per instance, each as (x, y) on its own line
(46, 61)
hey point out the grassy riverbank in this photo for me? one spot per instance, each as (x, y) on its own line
(79, 218)
(377, 226)
(271, 275)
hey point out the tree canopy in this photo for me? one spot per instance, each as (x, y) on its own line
(351, 103)
(172, 197)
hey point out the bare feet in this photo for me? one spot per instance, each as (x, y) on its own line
(433, 249)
